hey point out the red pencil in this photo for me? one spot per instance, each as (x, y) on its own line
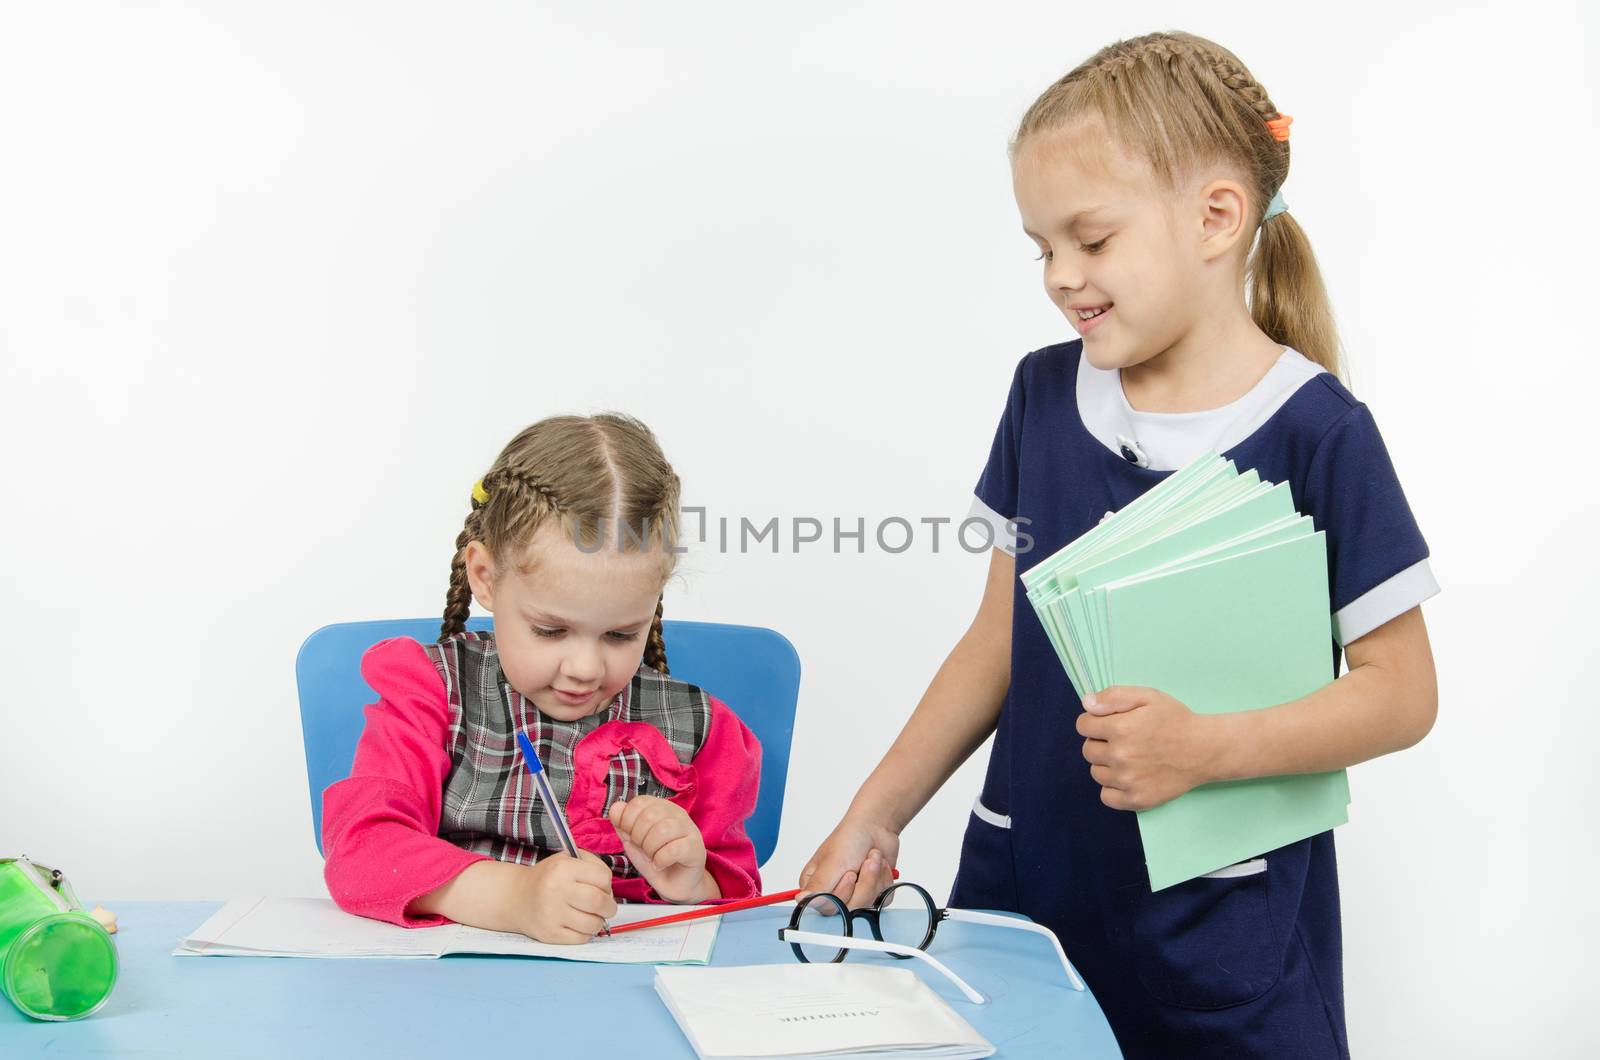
(715, 910)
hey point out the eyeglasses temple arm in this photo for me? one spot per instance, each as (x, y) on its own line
(1022, 925)
(852, 943)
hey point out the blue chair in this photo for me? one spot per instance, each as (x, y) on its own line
(755, 671)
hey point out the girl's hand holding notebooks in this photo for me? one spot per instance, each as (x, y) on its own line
(1144, 747)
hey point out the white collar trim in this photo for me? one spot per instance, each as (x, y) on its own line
(1115, 424)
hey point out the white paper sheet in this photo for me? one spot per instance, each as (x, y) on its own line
(814, 1010)
(315, 927)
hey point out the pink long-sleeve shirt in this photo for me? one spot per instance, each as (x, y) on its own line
(380, 825)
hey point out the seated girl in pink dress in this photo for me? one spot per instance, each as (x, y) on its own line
(568, 544)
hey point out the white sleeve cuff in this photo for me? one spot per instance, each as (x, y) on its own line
(1390, 600)
(1002, 531)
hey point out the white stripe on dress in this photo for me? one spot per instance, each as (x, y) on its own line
(988, 816)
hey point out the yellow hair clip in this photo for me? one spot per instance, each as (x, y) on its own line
(480, 494)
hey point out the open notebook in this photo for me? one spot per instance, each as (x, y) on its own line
(315, 927)
(1212, 588)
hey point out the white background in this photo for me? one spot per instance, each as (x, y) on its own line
(277, 280)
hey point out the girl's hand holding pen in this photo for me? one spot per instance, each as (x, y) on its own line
(565, 900)
(665, 845)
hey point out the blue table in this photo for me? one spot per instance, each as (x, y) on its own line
(207, 1007)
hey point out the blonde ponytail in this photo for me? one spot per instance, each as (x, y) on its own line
(1287, 298)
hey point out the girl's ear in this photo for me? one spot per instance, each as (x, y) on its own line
(1224, 218)
(480, 574)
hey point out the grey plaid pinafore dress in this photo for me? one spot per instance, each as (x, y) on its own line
(491, 805)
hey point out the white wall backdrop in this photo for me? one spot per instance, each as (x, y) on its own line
(278, 279)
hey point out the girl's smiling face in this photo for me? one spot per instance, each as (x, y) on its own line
(570, 626)
(1113, 260)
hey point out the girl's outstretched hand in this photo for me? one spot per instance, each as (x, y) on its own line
(1144, 748)
(855, 863)
(566, 900)
(665, 845)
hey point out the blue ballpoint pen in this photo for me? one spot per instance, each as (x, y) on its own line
(563, 831)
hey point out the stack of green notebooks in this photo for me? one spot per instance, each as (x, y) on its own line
(1213, 589)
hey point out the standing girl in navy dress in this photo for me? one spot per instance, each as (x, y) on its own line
(1150, 178)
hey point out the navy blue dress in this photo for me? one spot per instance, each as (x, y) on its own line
(1242, 966)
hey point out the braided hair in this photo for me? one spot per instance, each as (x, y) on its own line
(655, 647)
(1182, 103)
(586, 471)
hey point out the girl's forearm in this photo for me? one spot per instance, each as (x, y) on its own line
(1386, 703)
(475, 896)
(956, 714)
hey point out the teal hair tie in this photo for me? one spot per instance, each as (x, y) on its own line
(1276, 206)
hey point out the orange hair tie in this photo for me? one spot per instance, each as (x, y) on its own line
(1280, 127)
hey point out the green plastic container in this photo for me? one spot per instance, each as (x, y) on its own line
(56, 961)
